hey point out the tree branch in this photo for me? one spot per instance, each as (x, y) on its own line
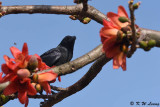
(78, 63)
(48, 9)
(79, 85)
(134, 38)
(147, 34)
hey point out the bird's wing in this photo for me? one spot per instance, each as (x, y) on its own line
(51, 57)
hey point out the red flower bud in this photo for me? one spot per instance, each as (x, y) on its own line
(35, 78)
(23, 73)
(33, 63)
(38, 88)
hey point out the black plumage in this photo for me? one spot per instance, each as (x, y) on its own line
(61, 54)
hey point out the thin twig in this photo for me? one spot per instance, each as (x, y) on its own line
(14, 96)
(41, 96)
(85, 5)
(134, 38)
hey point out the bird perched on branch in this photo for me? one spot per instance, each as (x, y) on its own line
(61, 54)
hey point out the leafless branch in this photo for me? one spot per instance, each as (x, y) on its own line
(79, 85)
(134, 38)
(48, 9)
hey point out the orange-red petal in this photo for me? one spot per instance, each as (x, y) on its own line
(109, 25)
(47, 76)
(25, 49)
(119, 60)
(124, 63)
(59, 78)
(109, 32)
(13, 66)
(22, 96)
(112, 50)
(6, 58)
(109, 43)
(115, 63)
(46, 87)
(5, 69)
(41, 65)
(9, 77)
(11, 88)
(9, 63)
(15, 51)
(31, 90)
(114, 19)
(122, 12)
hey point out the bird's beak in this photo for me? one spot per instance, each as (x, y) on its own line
(74, 37)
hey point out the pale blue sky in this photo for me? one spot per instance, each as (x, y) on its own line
(111, 88)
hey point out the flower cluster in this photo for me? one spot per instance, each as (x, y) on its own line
(115, 37)
(18, 71)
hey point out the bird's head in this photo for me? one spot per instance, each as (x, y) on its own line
(68, 41)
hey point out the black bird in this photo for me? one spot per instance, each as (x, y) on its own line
(61, 54)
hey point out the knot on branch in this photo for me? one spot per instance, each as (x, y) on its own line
(85, 4)
(83, 19)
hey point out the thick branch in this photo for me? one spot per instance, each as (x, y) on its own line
(78, 63)
(48, 9)
(79, 85)
(147, 34)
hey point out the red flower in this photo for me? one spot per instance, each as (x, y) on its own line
(113, 47)
(17, 70)
(13, 65)
(17, 74)
(23, 87)
(20, 58)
